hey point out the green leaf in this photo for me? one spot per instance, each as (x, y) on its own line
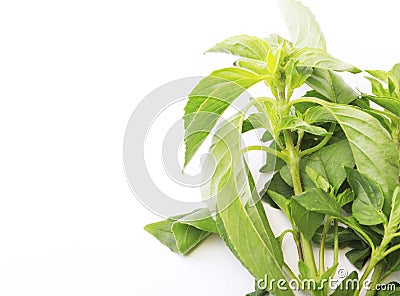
(368, 202)
(276, 185)
(183, 233)
(256, 67)
(348, 286)
(358, 257)
(307, 221)
(394, 219)
(319, 58)
(377, 88)
(329, 163)
(273, 164)
(331, 86)
(393, 263)
(319, 201)
(210, 98)
(317, 179)
(248, 235)
(388, 103)
(303, 27)
(254, 121)
(294, 123)
(244, 46)
(318, 114)
(396, 71)
(374, 152)
(281, 201)
(345, 197)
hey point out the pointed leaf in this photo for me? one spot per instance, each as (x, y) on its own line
(182, 234)
(319, 58)
(244, 46)
(303, 27)
(374, 152)
(368, 202)
(210, 98)
(331, 86)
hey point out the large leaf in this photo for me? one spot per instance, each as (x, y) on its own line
(244, 46)
(210, 98)
(368, 202)
(182, 234)
(303, 27)
(374, 152)
(319, 58)
(241, 220)
(331, 86)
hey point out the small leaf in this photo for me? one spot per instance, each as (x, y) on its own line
(307, 221)
(331, 86)
(244, 46)
(182, 234)
(368, 202)
(319, 201)
(328, 162)
(345, 197)
(319, 58)
(303, 27)
(256, 67)
(254, 121)
(394, 219)
(281, 201)
(317, 179)
(295, 123)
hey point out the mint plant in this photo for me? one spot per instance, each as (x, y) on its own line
(333, 155)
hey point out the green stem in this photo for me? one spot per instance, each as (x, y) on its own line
(266, 149)
(324, 141)
(364, 277)
(391, 250)
(294, 166)
(322, 246)
(336, 242)
(376, 278)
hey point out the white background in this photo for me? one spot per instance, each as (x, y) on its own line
(71, 73)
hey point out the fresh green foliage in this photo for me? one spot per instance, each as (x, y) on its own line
(333, 159)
